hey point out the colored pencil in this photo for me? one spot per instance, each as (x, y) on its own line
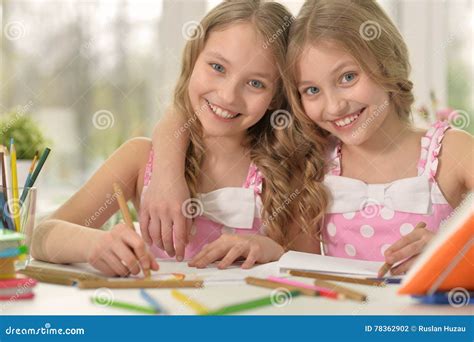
(32, 168)
(316, 275)
(126, 216)
(137, 283)
(323, 291)
(15, 210)
(347, 292)
(252, 304)
(123, 305)
(386, 266)
(152, 302)
(274, 285)
(36, 172)
(5, 208)
(193, 304)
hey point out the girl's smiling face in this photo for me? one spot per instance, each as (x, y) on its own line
(338, 95)
(233, 81)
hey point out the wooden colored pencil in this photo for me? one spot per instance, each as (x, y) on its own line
(386, 266)
(126, 216)
(322, 291)
(136, 283)
(56, 276)
(36, 172)
(252, 304)
(347, 292)
(152, 302)
(274, 285)
(5, 187)
(316, 275)
(193, 304)
(15, 210)
(30, 171)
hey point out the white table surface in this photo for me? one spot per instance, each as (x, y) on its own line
(66, 300)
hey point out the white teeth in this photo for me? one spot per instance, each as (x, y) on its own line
(221, 112)
(346, 121)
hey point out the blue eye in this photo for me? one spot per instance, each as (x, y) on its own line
(217, 67)
(311, 91)
(256, 84)
(348, 77)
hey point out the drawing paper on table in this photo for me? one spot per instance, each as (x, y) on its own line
(326, 264)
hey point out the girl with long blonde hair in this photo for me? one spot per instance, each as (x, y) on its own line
(390, 184)
(228, 88)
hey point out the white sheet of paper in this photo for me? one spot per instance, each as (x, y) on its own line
(326, 264)
(212, 274)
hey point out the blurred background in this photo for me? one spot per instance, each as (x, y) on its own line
(94, 73)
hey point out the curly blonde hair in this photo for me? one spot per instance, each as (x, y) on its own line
(272, 150)
(344, 22)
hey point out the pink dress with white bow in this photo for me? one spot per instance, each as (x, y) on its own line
(363, 219)
(229, 210)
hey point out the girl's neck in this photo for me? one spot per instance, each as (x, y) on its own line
(218, 148)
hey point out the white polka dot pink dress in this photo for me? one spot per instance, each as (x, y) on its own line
(363, 219)
(228, 210)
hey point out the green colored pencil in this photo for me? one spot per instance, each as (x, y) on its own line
(124, 305)
(253, 304)
(35, 174)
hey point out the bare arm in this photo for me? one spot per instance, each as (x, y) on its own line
(456, 166)
(71, 234)
(161, 219)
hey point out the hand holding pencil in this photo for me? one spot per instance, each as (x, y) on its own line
(401, 255)
(121, 251)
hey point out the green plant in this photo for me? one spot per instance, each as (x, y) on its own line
(26, 133)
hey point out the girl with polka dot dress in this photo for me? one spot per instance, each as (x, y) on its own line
(348, 83)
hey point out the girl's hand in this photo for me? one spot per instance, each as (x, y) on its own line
(407, 248)
(229, 247)
(162, 221)
(121, 251)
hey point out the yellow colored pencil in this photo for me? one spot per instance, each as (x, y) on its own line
(127, 217)
(16, 205)
(195, 305)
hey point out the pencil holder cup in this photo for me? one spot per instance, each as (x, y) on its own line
(18, 213)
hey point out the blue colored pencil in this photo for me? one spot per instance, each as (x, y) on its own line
(152, 302)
